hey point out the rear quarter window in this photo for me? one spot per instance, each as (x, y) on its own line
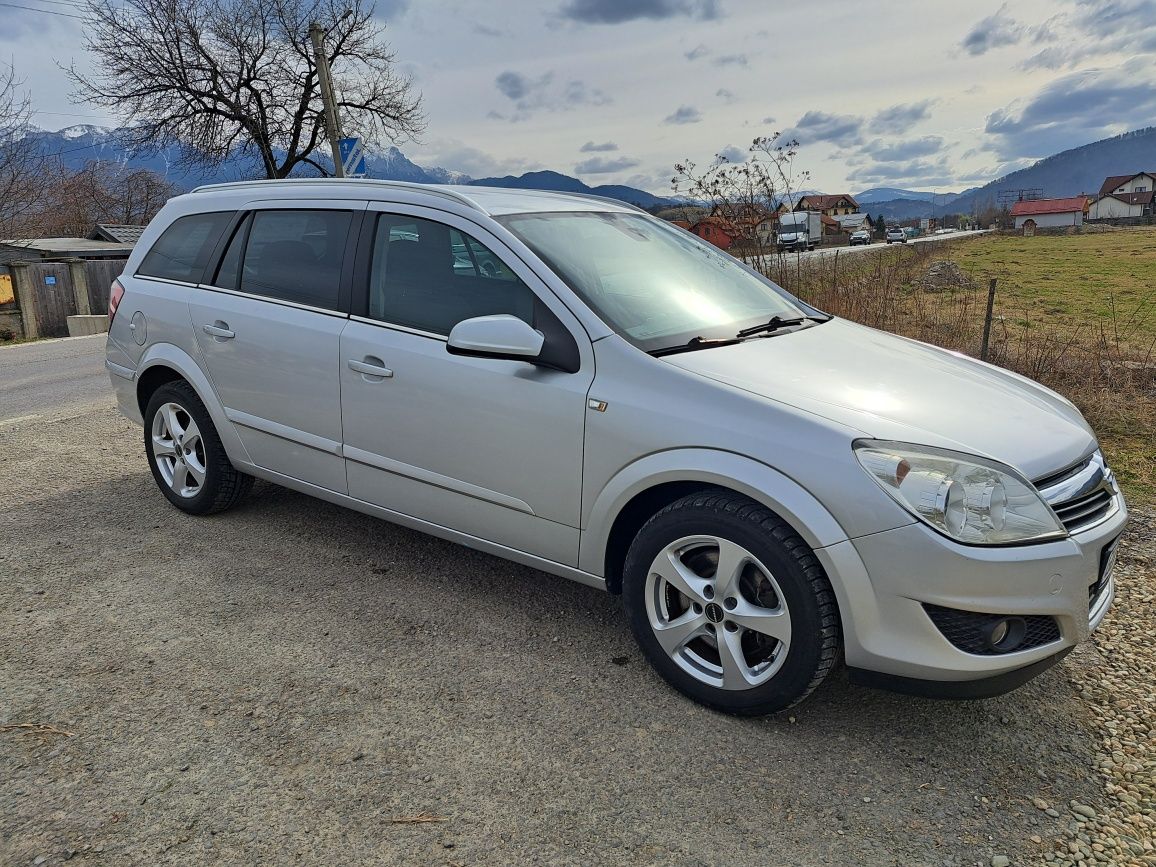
(183, 249)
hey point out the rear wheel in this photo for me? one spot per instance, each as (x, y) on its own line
(185, 453)
(730, 605)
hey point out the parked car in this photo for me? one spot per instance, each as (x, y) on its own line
(896, 234)
(768, 487)
(860, 236)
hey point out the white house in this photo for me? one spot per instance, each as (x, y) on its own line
(851, 222)
(1125, 196)
(1049, 213)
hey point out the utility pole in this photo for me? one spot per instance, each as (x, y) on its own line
(332, 121)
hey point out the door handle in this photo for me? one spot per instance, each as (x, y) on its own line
(218, 331)
(370, 368)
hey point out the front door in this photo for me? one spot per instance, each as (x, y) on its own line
(487, 447)
(269, 324)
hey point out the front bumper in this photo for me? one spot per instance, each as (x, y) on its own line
(884, 581)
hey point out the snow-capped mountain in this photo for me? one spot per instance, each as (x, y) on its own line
(84, 130)
(79, 144)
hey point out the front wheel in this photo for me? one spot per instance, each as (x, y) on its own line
(730, 605)
(186, 456)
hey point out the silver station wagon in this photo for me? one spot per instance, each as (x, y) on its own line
(569, 383)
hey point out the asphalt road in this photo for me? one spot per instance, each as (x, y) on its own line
(51, 375)
(294, 682)
(878, 245)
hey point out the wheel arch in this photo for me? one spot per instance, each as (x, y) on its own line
(164, 363)
(644, 487)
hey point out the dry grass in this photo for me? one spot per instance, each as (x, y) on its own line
(1099, 354)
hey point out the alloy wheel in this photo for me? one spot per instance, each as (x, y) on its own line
(178, 450)
(718, 612)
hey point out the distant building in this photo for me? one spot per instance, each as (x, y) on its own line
(740, 220)
(718, 230)
(1049, 213)
(27, 249)
(105, 241)
(831, 206)
(1125, 196)
(852, 222)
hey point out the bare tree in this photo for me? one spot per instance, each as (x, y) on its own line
(22, 166)
(745, 196)
(218, 78)
(102, 192)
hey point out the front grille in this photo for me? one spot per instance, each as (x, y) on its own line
(1081, 494)
(1062, 475)
(1084, 510)
(968, 630)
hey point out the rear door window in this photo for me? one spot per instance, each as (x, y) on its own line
(290, 255)
(183, 249)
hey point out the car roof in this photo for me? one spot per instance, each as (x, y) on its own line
(494, 201)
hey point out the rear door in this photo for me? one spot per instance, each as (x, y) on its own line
(269, 323)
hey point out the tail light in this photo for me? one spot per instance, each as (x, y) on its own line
(114, 295)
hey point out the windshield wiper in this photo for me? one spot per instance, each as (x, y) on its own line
(695, 343)
(777, 323)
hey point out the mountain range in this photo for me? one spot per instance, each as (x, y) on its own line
(1068, 173)
(77, 145)
(1074, 171)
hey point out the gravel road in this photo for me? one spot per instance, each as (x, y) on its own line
(293, 682)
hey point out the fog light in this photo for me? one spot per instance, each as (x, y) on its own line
(1006, 634)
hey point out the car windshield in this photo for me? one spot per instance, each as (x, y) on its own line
(654, 284)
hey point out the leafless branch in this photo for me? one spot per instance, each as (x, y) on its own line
(217, 79)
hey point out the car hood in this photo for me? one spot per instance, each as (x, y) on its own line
(893, 388)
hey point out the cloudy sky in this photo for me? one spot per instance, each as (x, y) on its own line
(924, 95)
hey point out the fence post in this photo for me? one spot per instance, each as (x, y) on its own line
(987, 319)
(79, 279)
(26, 298)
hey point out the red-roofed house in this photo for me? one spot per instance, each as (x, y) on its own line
(832, 206)
(1125, 196)
(718, 230)
(1050, 213)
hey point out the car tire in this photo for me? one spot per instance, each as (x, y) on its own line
(757, 638)
(185, 453)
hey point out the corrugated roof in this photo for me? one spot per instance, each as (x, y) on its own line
(67, 245)
(1049, 206)
(120, 233)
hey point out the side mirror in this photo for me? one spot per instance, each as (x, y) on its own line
(500, 336)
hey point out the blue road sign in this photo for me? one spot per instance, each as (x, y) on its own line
(352, 157)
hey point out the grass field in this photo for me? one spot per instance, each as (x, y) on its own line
(1067, 281)
(1075, 312)
(1097, 292)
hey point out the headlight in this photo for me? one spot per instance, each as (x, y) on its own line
(968, 498)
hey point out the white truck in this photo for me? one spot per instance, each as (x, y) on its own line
(800, 230)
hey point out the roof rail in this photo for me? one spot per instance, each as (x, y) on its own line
(432, 189)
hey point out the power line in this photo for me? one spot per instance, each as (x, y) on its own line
(69, 114)
(45, 11)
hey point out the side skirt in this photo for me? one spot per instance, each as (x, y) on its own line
(426, 527)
